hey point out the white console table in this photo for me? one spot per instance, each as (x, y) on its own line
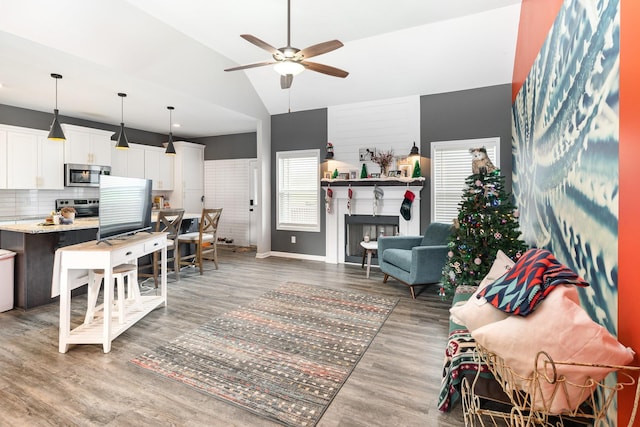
(72, 260)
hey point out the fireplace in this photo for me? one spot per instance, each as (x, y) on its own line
(360, 227)
(343, 245)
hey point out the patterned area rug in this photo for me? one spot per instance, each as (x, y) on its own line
(283, 357)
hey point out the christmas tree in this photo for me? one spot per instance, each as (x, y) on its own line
(487, 221)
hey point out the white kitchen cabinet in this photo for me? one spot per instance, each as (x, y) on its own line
(33, 161)
(3, 159)
(87, 146)
(128, 163)
(158, 167)
(188, 186)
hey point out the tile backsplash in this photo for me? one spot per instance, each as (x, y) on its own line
(18, 204)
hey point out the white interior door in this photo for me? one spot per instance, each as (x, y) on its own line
(226, 186)
(253, 202)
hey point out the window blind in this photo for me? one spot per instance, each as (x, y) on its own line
(451, 165)
(298, 190)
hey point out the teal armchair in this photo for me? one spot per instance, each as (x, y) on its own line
(415, 260)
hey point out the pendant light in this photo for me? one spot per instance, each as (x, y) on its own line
(122, 144)
(56, 133)
(170, 148)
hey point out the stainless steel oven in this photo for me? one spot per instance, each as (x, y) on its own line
(76, 175)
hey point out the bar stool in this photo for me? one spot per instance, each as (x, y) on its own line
(132, 297)
(205, 240)
(169, 221)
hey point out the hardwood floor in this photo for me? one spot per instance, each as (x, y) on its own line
(395, 384)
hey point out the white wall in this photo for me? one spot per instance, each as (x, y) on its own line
(389, 124)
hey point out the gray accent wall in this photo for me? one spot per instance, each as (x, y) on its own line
(468, 114)
(235, 146)
(23, 117)
(297, 131)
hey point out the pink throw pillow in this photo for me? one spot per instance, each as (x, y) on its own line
(475, 313)
(560, 327)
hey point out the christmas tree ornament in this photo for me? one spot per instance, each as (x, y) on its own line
(405, 208)
(335, 174)
(481, 163)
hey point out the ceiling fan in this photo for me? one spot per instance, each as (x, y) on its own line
(289, 60)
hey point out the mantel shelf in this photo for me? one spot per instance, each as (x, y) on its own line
(370, 182)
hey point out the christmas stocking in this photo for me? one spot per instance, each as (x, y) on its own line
(405, 209)
(328, 199)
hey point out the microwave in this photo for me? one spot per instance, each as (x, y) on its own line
(84, 175)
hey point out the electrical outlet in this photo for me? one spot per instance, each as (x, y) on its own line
(293, 239)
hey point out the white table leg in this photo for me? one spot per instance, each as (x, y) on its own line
(108, 301)
(65, 315)
(163, 270)
(369, 251)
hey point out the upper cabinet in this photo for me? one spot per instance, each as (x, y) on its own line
(128, 163)
(188, 188)
(158, 167)
(144, 161)
(87, 146)
(32, 161)
(3, 159)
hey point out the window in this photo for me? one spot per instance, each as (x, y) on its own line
(298, 190)
(451, 165)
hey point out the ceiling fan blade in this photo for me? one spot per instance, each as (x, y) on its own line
(320, 48)
(261, 44)
(325, 69)
(254, 65)
(286, 80)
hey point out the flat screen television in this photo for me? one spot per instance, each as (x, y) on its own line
(125, 207)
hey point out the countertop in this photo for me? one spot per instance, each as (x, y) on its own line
(78, 224)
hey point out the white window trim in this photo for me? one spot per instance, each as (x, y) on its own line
(463, 144)
(291, 155)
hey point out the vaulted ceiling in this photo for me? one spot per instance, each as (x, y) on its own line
(174, 53)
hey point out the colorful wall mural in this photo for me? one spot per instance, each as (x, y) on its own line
(565, 149)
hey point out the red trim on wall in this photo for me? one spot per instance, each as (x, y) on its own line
(629, 178)
(536, 18)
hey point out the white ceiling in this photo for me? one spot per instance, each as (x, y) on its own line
(163, 52)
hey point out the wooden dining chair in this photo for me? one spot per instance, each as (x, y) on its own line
(205, 240)
(169, 221)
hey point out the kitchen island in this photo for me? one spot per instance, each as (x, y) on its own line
(35, 245)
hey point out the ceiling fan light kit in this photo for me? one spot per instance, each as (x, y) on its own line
(288, 67)
(56, 133)
(289, 61)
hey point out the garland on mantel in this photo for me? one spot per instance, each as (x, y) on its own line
(366, 182)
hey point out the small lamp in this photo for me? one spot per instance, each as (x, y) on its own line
(56, 133)
(414, 150)
(329, 155)
(123, 143)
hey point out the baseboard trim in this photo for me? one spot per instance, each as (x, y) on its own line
(296, 256)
